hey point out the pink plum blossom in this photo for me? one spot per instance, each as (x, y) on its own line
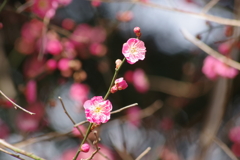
(63, 64)
(81, 34)
(79, 92)
(213, 68)
(97, 110)
(42, 7)
(31, 91)
(140, 81)
(68, 24)
(26, 122)
(85, 147)
(32, 30)
(114, 89)
(51, 64)
(134, 50)
(98, 49)
(33, 67)
(54, 47)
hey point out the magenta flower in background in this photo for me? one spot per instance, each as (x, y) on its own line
(134, 50)
(140, 81)
(213, 68)
(54, 46)
(79, 92)
(97, 110)
(236, 149)
(234, 134)
(31, 91)
(63, 64)
(42, 7)
(51, 64)
(134, 115)
(4, 133)
(209, 67)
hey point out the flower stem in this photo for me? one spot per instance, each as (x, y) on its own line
(113, 79)
(83, 141)
(106, 96)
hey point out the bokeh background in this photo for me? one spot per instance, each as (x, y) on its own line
(68, 48)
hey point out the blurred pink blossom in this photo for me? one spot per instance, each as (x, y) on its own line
(140, 81)
(54, 47)
(134, 50)
(51, 64)
(41, 7)
(68, 24)
(98, 35)
(79, 92)
(96, 3)
(21, 44)
(97, 110)
(32, 30)
(4, 131)
(236, 149)
(63, 64)
(98, 49)
(125, 16)
(31, 91)
(167, 154)
(134, 115)
(234, 134)
(224, 48)
(26, 122)
(33, 67)
(81, 34)
(129, 76)
(213, 68)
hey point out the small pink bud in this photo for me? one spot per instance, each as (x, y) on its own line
(118, 63)
(137, 31)
(85, 147)
(114, 89)
(121, 84)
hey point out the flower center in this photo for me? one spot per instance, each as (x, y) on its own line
(133, 50)
(98, 109)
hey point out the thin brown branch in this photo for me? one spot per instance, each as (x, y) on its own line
(143, 153)
(209, 6)
(64, 108)
(210, 51)
(225, 148)
(178, 88)
(208, 17)
(20, 151)
(11, 154)
(15, 105)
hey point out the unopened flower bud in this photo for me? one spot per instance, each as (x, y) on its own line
(121, 84)
(85, 147)
(114, 89)
(137, 31)
(118, 63)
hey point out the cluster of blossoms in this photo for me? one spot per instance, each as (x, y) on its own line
(97, 109)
